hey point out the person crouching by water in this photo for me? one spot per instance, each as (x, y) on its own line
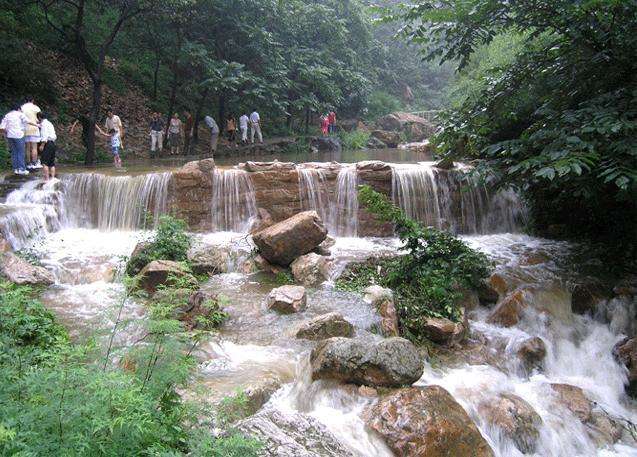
(116, 145)
(47, 146)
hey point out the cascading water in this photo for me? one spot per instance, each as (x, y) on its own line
(343, 220)
(233, 201)
(115, 202)
(313, 192)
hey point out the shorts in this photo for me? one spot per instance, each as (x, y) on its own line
(48, 154)
(32, 138)
(115, 150)
(174, 139)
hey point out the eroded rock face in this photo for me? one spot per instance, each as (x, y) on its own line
(292, 435)
(392, 362)
(310, 269)
(287, 299)
(509, 311)
(325, 144)
(162, 272)
(626, 352)
(209, 260)
(426, 422)
(291, 238)
(390, 139)
(573, 399)
(326, 326)
(21, 272)
(515, 417)
(383, 300)
(532, 352)
(443, 331)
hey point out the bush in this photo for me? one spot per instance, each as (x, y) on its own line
(354, 140)
(381, 103)
(171, 242)
(428, 280)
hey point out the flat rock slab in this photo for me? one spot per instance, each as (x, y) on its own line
(326, 326)
(287, 299)
(21, 272)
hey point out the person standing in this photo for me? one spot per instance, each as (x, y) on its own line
(32, 133)
(231, 129)
(113, 122)
(13, 126)
(47, 146)
(255, 126)
(116, 145)
(189, 127)
(243, 125)
(156, 134)
(214, 133)
(325, 124)
(174, 134)
(332, 122)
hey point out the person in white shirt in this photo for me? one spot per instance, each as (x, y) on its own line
(243, 126)
(214, 133)
(255, 124)
(13, 126)
(32, 133)
(47, 146)
(113, 122)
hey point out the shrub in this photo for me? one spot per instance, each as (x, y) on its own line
(428, 279)
(354, 140)
(381, 103)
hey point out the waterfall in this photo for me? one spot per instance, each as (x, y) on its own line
(344, 217)
(234, 204)
(415, 190)
(115, 202)
(313, 192)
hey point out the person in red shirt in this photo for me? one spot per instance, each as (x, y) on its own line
(332, 120)
(325, 125)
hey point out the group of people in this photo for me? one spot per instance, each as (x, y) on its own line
(180, 133)
(328, 123)
(30, 138)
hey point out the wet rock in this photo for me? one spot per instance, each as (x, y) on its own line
(604, 430)
(532, 352)
(392, 362)
(515, 417)
(283, 242)
(375, 143)
(5, 246)
(626, 352)
(374, 171)
(209, 260)
(469, 300)
(443, 331)
(259, 394)
(164, 272)
(263, 221)
(269, 166)
(626, 287)
(487, 294)
(390, 139)
(325, 144)
(573, 399)
(263, 265)
(287, 299)
(326, 326)
(426, 422)
(509, 311)
(383, 300)
(498, 283)
(21, 272)
(286, 434)
(310, 269)
(585, 297)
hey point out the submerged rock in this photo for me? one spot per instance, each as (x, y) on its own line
(326, 326)
(288, 434)
(392, 362)
(383, 300)
(532, 352)
(287, 299)
(283, 242)
(310, 269)
(21, 272)
(164, 272)
(515, 417)
(626, 352)
(426, 422)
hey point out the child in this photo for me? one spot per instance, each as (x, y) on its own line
(47, 146)
(116, 144)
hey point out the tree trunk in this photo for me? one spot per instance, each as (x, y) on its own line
(198, 114)
(155, 76)
(89, 134)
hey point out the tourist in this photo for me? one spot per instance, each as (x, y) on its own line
(47, 146)
(113, 122)
(231, 129)
(255, 124)
(214, 133)
(189, 129)
(116, 145)
(32, 133)
(325, 124)
(156, 134)
(243, 125)
(175, 129)
(13, 126)
(332, 122)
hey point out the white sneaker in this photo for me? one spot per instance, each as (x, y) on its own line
(37, 165)
(23, 172)
(16, 172)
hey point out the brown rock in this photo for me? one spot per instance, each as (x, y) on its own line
(383, 300)
(4, 245)
(532, 352)
(426, 422)
(164, 272)
(209, 260)
(263, 265)
(390, 139)
(404, 122)
(487, 294)
(326, 326)
(515, 417)
(573, 399)
(626, 352)
(499, 284)
(585, 297)
(264, 220)
(310, 269)
(287, 299)
(509, 311)
(291, 238)
(269, 166)
(21, 272)
(443, 331)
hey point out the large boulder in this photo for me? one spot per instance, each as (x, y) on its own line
(626, 352)
(325, 144)
(417, 128)
(383, 300)
(287, 299)
(375, 143)
(209, 260)
(509, 311)
(310, 269)
(532, 352)
(517, 420)
(283, 242)
(573, 399)
(390, 139)
(19, 271)
(392, 362)
(326, 326)
(426, 422)
(163, 272)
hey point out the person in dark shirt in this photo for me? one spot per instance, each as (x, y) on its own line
(156, 134)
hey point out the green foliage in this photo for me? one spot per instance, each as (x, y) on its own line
(171, 242)
(231, 445)
(428, 279)
(381, 103)
(283, 278)
(555, 115)
(354, 140)
(358, 276)
(233, 408)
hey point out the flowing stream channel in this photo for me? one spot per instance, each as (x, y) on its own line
(81, 228)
